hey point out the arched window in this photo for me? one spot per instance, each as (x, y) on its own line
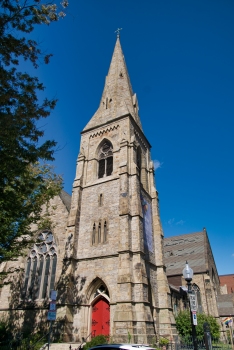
(33, 276)
(105, 160)
(94, 234)
(41, 267)
(46, 277)
(99, 233)
(40, 270)
(139, 160)
(100, 200)
(196, 289)
(53, 270)
(139, 157)
(27, 274)
(105, 232)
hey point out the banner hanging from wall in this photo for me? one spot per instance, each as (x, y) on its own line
(147, 222)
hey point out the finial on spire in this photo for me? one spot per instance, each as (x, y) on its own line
(118, 32)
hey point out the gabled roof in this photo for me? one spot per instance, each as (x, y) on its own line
(117, 98)
(191, 247)
(66, 199)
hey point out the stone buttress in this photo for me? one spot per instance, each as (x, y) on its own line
(117, 250)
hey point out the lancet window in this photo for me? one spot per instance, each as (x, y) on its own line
(196, 289)
(100, 200)
(105, 160)
(41, 267)
(105, 232)
(139, 160)
(99, 233)
(94, 234)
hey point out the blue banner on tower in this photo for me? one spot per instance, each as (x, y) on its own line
(147, 223)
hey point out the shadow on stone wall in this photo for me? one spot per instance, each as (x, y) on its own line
(70, 296)
(29, 316)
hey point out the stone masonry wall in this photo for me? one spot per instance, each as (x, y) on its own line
(10, 296)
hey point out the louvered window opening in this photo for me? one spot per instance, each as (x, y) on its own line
(40, 268)
(105, 166)
(99, 235)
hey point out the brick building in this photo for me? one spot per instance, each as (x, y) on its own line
(227, 283)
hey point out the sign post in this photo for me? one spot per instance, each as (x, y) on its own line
(193, 302)
(51, 316)
(193, 315)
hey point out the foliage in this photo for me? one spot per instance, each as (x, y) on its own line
(129, 337)
(99, 339)
(13, 338)
(33, 339)
(4, 330)
(163, 342)
(24, 184)
(21, 205)
(184, 328)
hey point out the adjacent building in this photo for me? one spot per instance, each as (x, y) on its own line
(194, 248)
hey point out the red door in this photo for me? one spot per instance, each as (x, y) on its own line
(101, 317)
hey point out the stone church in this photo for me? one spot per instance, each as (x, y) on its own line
(104, 250)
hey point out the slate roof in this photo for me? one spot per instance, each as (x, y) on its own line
(66, 198)
(225, 305)
(118, 98)
(191, 247)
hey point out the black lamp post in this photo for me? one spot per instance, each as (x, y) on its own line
(188, 276)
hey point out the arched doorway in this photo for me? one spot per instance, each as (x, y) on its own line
(101, 312)
(101, 317)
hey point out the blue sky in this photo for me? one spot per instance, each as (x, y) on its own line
(180, 58)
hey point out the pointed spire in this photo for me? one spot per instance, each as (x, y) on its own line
(117, 97)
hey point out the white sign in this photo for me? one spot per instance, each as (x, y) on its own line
(193, 302)
(194, 314)
(51, 316)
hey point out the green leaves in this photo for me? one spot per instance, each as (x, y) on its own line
(184, 328)
(21, 206)
(26, 182)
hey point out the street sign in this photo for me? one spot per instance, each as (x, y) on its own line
(51, 316)
(194, 314)
(53, 306)
(193, 302)
(53, 294)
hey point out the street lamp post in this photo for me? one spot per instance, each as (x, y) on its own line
(188, 276)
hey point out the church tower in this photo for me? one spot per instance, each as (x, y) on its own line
(121, 287)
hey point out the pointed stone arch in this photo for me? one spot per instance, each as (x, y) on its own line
(105, 158)
(94, 287)
(105, 140)
(40, 267)
(99, 299)
(196, 289)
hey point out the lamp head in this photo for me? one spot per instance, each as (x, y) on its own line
(188, 273)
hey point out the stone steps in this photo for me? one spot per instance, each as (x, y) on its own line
(61, 346)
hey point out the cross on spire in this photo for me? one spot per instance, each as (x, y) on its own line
(118, 32)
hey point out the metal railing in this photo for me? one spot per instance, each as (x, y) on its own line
(187, 344)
